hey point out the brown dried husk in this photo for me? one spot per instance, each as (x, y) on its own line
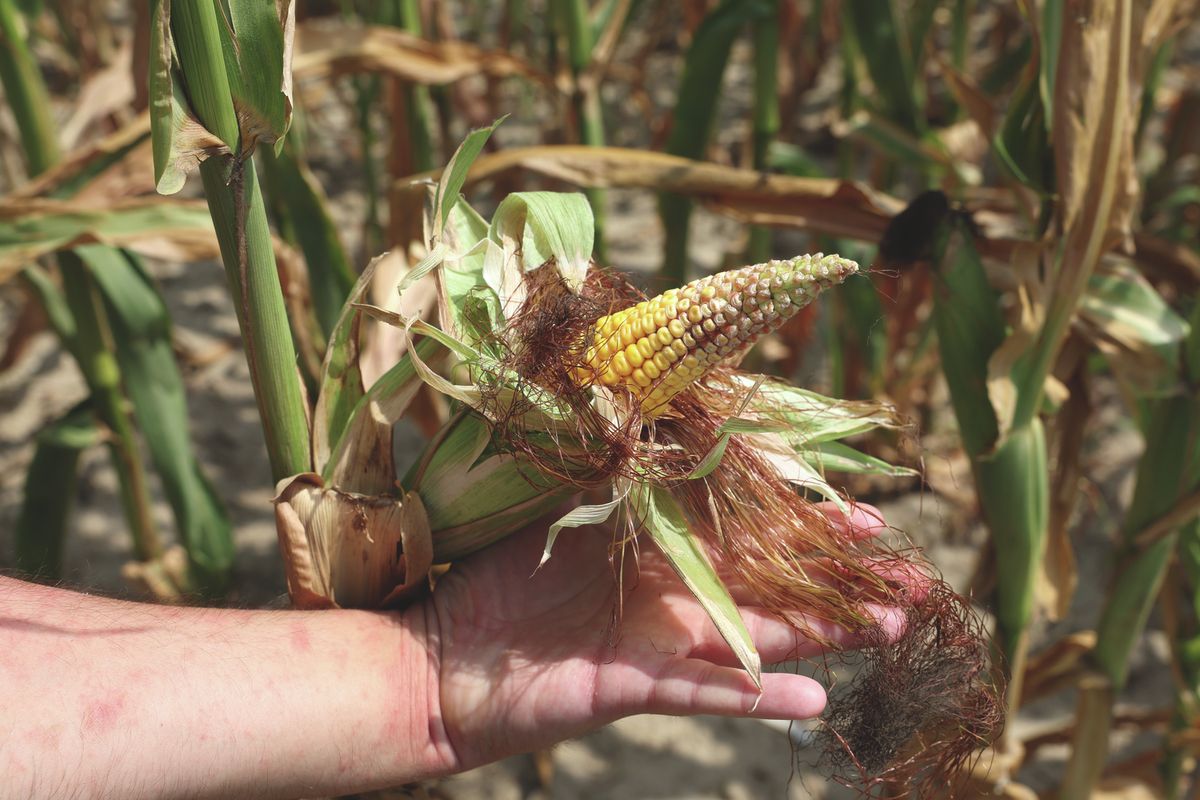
(921, 705)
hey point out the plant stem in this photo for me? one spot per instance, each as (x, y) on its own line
(262, 315)
(26, 93)
(91, 342)
(766, 116)
(93, 350)
(240, 219)
(585, 98)
(1167, 471)
(417, 105)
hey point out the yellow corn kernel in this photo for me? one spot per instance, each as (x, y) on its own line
(651, 371)
(633, 356)
(620, 364)
(645, 346)
(641, 378)
(664, 359)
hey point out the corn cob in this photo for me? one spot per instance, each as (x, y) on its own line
(658, 347)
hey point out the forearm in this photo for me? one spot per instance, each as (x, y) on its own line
(113, 699)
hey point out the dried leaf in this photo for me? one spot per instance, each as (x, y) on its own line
(835, 207)
(328, 49)
(343, 550)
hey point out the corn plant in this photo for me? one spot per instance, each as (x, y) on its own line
(203, 66)
(567, 368)
(110, 317)
(696, 109)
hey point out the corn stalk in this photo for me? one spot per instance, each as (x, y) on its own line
(766, 114)
(695, 114)
(1168, 475)
(585, 94)
(225, 63)
(112, 320)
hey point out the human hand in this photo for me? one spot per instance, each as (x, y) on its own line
(523, 662)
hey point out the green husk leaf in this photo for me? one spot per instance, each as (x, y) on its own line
(665, 523)
(840, 457)
(970, 328)
(809, 418)
(544, 226)
(711, 459)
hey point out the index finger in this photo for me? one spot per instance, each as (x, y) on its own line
(862, 522)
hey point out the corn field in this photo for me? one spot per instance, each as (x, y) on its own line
(677, 270)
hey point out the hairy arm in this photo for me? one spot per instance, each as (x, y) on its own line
(104, 698)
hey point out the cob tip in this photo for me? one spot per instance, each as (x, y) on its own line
(659, 347)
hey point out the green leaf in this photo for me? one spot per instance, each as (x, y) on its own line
(32, 229)
(41, 527)
(888, 53)
(1050, 40)
(839, 457)
(298, 201)
(258, 62)
(695, 113)
(180, 141)
(970, 328)
(454, 175)
(1135, 328)
(1022, 144)
(142, 333)
(666, 525)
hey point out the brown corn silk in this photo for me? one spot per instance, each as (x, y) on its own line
(930, 686)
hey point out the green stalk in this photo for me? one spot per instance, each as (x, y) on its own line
(585, 97)
(240, 219)
(1168, 470)
(91, 344)
(417, 104)
(300, 211)
(766, 116)
(26, 93)
(694, 117)
(1186, 655)
(94, 351)
(1011, 476)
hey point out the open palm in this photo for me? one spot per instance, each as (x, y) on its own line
(523, 662)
